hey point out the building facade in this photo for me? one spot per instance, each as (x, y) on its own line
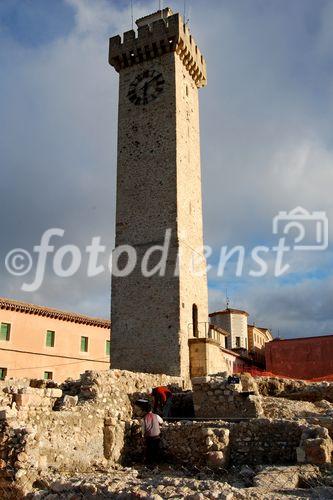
(234, 321)
(303, 358)
(40, 342)
(258, 338)
(209, 357)
(159, 204)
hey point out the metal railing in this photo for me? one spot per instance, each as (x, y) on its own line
(208, 331)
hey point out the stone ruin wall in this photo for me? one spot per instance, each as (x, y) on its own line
(254, 442)
(88, 429)
(213, 397)
(90, 422)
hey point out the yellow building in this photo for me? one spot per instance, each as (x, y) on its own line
(257, 338)
(40, 342)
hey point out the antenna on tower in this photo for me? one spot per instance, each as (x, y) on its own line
(189, 14)
(132, 15)
(227, 299)
(185, 11)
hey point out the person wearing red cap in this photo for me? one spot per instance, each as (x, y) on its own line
(162, 400)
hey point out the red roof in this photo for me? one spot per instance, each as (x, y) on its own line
(23, 307)
(304, 338)
(229, 311)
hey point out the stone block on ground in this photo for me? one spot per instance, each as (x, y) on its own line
(316, 446)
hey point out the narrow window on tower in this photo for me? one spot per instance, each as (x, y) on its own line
(187, 91)
(195, 320)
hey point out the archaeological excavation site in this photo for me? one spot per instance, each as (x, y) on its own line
(225, 438)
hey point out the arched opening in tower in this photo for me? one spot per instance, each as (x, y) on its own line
(195, 320)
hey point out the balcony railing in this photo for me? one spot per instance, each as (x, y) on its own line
(208, 331)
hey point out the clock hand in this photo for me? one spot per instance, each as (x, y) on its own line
(157, 76)
(146, 84)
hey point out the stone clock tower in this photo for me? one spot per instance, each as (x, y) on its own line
(158, 197)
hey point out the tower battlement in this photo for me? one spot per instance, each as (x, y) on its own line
(167, 34)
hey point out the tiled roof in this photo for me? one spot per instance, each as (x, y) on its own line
(265, 331)
(296, 339)
(26, 308)
(228, 311)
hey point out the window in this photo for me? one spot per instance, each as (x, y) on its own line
(3, 373)
(50, 337)
(84, 344)
(5, 331)
(195, 320)
(48, 375)
(238, 342)
(108, 347)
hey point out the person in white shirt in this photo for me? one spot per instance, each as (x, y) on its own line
(151, 432)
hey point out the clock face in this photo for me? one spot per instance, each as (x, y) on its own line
(146, 87)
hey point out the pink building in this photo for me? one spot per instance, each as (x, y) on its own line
(40, 342)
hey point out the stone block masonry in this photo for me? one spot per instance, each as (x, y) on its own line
(158, 193)
(316, 446)
(265, 441)
(214, 397)
(222, 444)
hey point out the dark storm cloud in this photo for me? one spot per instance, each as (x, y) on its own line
(266, 144)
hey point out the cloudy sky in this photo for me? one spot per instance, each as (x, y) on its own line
(267, 145)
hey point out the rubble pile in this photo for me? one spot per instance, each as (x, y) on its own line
(264, 482)
(294, 410)
(295, 389)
